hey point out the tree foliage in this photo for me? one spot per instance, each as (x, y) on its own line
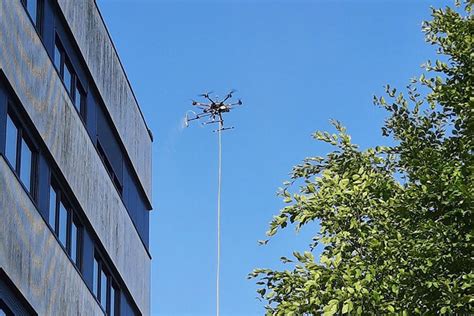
(396, 222)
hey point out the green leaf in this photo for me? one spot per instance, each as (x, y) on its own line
(347, 307)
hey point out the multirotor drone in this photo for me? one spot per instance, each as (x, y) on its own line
(213, 109)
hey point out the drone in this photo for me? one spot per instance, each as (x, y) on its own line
(212, 110)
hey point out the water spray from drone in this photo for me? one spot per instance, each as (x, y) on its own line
(211, 112)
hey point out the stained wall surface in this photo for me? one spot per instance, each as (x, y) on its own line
(33, 259)
(34, 79)
(98, 51)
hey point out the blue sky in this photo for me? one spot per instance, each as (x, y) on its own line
(296, 65)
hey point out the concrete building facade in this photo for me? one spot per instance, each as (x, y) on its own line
(75, 167)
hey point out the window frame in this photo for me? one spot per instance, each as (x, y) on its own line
(74, 220)
(67, 66)
(76, 86)
(102, 267)
(71, 217)
(79, 90)
(23, 135)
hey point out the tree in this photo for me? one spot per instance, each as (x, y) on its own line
(396, 222)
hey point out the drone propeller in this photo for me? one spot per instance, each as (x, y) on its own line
(229, 95)
(206, 94)
(236, 103)
(199, 104)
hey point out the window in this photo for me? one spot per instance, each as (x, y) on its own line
(34, 9)
(12, 142)
(52, 208)
(112, 301)
(75, 242)
(104, 288)
(20, 154)
(69, 77)
(57, 56)
(79, 98)
(62, 231)
(63, 222)
(110, 170)
(26, 163)
(95, 283)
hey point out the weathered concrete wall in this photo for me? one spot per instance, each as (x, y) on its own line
(32, 257)
(101, 58)
(40, 90)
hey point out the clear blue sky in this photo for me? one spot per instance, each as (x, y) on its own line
(295, 64)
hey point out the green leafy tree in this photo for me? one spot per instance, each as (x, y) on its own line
(396, 222)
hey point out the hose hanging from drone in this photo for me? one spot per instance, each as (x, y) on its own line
(219, 186)
(212, 112)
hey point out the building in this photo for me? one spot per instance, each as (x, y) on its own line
(75, 167)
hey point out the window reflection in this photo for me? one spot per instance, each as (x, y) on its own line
(32, 8)
(68, 77)
(62, 234)
(74, 239)
(103, 289)
(78, 97)
(52, 208)
(11, 144)
(19, 153)
(57, 57)
(25, 164)
(95, 281)
(112, 301)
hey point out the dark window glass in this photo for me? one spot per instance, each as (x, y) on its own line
(32, 8)
(78, 97)
(52, 208)
(11, 143)
(68, 77)
(110, 170)
(74, 243)
(62, 233)
(103, 289)
(57, 57)
(95, 281)
(25, 165)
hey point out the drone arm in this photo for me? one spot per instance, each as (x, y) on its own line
(198, 116)
(200, 104)
(209, 98)
(227, 97)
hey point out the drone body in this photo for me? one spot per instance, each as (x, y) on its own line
(212, 110)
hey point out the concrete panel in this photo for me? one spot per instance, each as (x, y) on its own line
(102, 60)
(37, 84)
(33, 259)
